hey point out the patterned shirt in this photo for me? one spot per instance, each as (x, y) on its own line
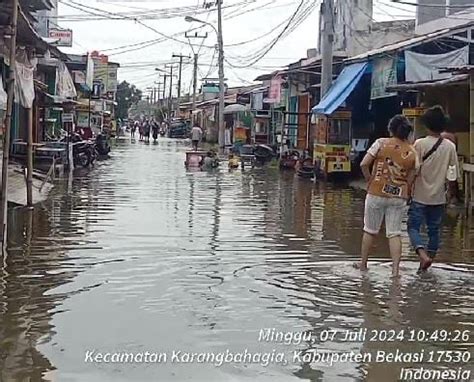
(394, 159)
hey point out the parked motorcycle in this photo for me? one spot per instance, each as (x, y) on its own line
(102, 144)
(83, 152)
(263, 154)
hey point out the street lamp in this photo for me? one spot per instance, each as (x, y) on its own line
(220, 47)
(162, 71)
(191, 19)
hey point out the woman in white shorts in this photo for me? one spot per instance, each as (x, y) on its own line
(394, 163)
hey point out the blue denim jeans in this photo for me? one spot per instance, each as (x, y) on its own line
(432, 216)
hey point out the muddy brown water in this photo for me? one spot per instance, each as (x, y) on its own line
(140, 255)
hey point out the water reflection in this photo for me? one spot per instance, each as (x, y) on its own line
(144, 255)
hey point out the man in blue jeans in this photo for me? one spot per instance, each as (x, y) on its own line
(439, 165)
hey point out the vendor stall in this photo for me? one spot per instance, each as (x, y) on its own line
(332, 143)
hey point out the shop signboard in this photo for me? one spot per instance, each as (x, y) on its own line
(63, 37)
(82, 119)
(101, 71)
(332, 158)
(274, 93)
(68, 117)
(112, 77)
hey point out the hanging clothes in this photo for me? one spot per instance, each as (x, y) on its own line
(64, 83)
(24, 85)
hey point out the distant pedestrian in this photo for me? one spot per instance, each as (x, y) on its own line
(155, 127)
(196, 136)
(146, 131)
(133, 129)
(394, 163)
(439, 165)
(140, 131)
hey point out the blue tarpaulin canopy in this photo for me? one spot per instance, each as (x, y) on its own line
(341, 88)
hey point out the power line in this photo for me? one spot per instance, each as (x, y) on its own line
(424, 12)
(151, 14)
(300, 14)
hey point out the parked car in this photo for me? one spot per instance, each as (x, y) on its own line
(178, 129)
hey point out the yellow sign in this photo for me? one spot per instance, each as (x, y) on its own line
(414, 112)
(333, 158)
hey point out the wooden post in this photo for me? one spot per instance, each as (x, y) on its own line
(8, 124)
(470, 183)
(471, 113)
(29, 159)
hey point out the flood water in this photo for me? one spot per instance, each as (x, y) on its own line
(140, 255)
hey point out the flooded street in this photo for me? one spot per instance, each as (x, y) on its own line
(140, 255)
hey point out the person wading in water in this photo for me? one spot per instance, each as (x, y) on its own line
(439, 164)
(394, 162)
(196, 135)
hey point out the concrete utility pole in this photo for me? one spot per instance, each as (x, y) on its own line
(158, 92)
(8, 123)
(165, 77)
(327, 40)
(220, 45)
(180, 71)
(170, 99)
(195, 74)
(195, 67)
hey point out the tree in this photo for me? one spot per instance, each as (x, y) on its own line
(127, 95)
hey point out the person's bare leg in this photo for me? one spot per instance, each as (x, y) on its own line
(395, 244)
(425, 260)
(367, 242)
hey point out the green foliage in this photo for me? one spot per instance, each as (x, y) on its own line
(127, 95)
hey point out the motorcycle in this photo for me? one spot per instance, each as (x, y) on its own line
(83, 152)
(102, 145)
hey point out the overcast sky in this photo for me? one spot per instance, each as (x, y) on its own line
(244, 20)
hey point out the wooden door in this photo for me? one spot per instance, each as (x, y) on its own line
(303, 108)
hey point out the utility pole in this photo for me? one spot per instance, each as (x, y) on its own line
(180, 69)
(170, 99)
(195, 74)
(220, 45)
(8, 123)
(195, 68)
(327, 40)
(158, 92)
(165, 77)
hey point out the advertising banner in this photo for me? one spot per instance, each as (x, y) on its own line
(384, 74)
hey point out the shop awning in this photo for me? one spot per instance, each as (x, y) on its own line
(341, 88)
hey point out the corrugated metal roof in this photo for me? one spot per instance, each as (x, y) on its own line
(454, 80)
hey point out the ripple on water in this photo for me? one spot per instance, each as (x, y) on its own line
(140, 254)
